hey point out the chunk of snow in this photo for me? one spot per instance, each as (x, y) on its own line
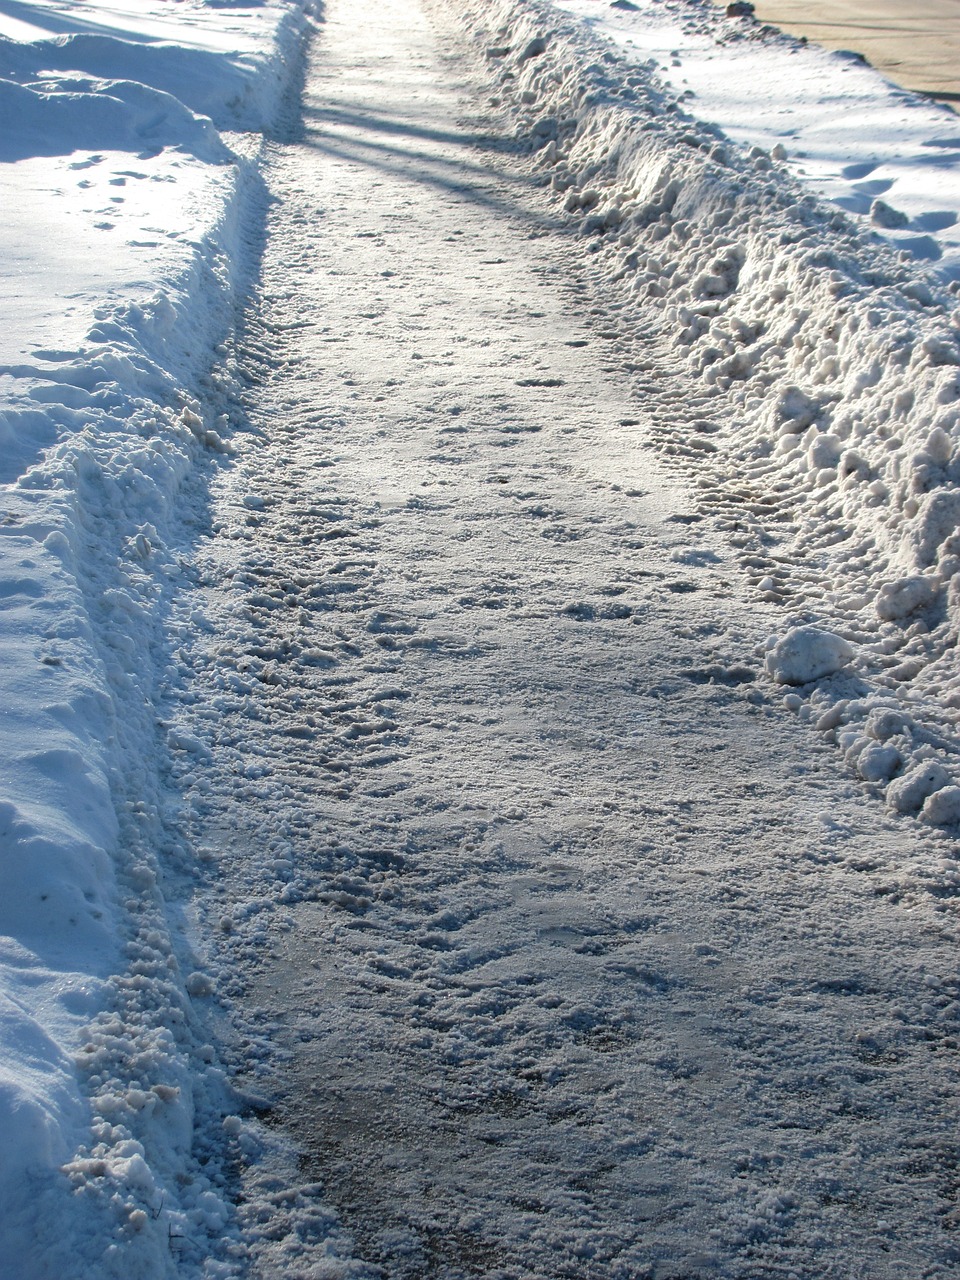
(898, 599)
(884, 215)
(876, 763)
(937, 518)
(885, 722)
(805, 654)
(200, 984)
(942, 808)
(908, 793)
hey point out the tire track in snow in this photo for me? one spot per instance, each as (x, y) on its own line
(555, 949)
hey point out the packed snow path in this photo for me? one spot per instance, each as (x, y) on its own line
(559, 947)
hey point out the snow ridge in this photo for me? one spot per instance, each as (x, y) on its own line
(99, 439)
(823, 432)
(243, 91)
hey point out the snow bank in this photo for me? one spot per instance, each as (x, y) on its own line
(823, 427)
(887, 157)
(115, 115)
(237, 90)
(125, 225)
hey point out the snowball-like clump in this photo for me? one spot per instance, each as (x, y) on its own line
(805, 654)
(942, 808)
(908, 793)
(878, 763)
(899, 599)
(200, 984)
(884, 723)
(884, 215)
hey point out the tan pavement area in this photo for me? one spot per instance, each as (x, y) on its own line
(914, 42)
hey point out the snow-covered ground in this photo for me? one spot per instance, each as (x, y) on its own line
(129, 170)
(886, 156)
(820, 362)
(218, 602)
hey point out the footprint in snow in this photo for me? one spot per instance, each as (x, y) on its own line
(935, 221)
(862, 170)
(582, 611)
(86, 164)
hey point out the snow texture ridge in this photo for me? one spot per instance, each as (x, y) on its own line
(238, 92)
(104, 1076)
(823, 433)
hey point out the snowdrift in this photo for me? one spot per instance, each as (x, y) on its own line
(238, 91)
(116, 115)
(127, 215)
(823, 432)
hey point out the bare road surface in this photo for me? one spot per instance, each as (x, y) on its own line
(914, 42)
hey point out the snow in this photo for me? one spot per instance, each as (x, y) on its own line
(824, 360)
(167, 780)
(886, 156)
(806, 654)
(125, 184)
